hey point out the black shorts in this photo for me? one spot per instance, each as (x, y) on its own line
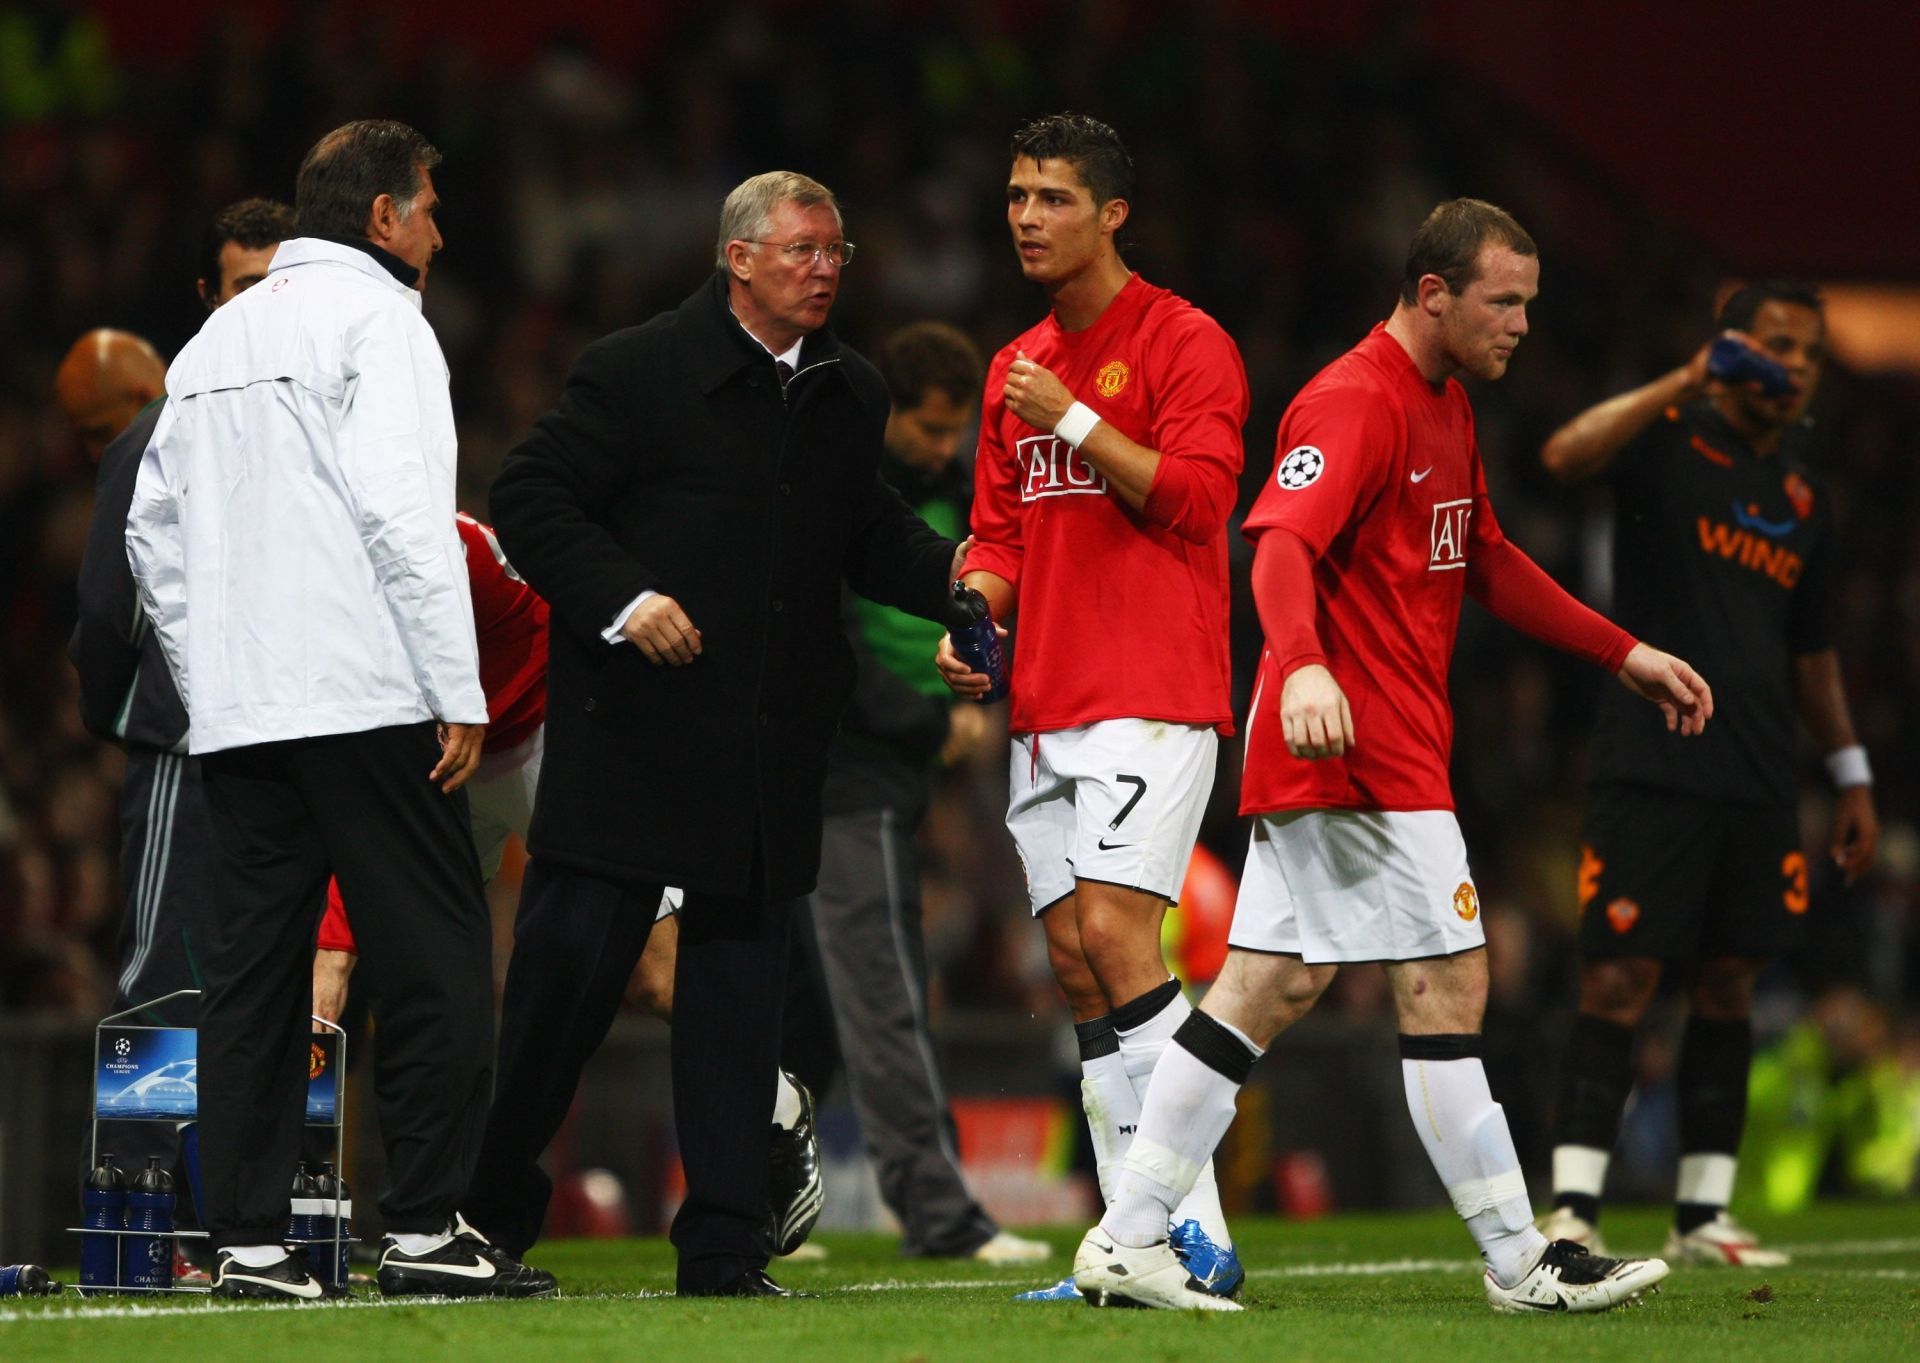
(1680, 877)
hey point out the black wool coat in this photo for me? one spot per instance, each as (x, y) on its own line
(675, 463)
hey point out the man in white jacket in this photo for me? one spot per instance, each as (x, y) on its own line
(292, 532)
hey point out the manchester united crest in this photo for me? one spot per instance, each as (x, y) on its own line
(316, 1061)
(1466, 901)
(1112, 378)
(1622, 914)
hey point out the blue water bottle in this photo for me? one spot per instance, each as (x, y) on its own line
(26, 1280)
(303, 1227)
(149, 1250)
(975, 641)
(1734, 361)
(105, 1202)
(335, 1223)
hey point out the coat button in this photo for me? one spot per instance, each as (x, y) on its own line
(778, 605)
(786, 489)
(588, 707)
(763, 719)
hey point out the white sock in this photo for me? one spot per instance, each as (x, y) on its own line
(1706, 1179)
(256, 1256)
(786, 1102)
(1466, 1136)
(419, 1244)
(1189, 1107)
(1580, 1169)
(1141, 1048)
(1113, 1111)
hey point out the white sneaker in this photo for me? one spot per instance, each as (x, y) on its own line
(1112, 1274)
(1562, 1224)
(1007, 1248)
(1723, 1242)
(1568, 1278)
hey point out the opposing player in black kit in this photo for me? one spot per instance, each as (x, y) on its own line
(1723, 551)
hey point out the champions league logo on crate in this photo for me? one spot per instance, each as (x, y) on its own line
(152, 1074)
(147, 1072)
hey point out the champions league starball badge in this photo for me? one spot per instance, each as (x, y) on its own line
(1301, 468)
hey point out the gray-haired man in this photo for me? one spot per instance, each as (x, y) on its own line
(689, 511)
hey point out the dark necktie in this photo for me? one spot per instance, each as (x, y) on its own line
(785, 371)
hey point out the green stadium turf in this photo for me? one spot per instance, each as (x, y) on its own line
(1398, 1288)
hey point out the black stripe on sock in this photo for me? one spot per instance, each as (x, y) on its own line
(1215, 1047)
(1097, 1037)
(1440, 1046)
(1139, 1012)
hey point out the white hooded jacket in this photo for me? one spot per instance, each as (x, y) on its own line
(292, 529)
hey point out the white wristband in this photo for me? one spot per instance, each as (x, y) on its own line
(1848, 767)
(1077, 424)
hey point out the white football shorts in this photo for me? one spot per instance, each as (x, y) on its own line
(1330, 885)
(500, 801)
(1119, 801)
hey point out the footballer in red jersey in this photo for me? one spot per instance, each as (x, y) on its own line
(1109, 458)
(1374, 525)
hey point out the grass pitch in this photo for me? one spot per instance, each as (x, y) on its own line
(1402, 1288)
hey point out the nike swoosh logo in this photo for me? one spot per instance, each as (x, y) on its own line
(480, 1269)
(1422, 474)
(1559, 1304)
(1106, 846)
(1104, 1249)
(309, 1288)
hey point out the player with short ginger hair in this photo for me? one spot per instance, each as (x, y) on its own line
(1373, 529)
(1110, 454)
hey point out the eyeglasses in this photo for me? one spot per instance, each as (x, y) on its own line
(836, 253)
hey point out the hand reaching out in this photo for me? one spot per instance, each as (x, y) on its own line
(1681, 693)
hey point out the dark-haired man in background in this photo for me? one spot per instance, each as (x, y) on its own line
(308, 589)
(126, 693)
(1110, 454)
(1373, 529)
(901, 727)
(1691, 860)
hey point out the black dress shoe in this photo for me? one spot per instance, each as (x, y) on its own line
(753, 1283)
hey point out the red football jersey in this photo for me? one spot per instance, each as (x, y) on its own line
(511, 622)
(1122, 614)
(1379, 473)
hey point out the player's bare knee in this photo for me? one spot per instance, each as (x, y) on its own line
(1618, 990)
(1722, 988)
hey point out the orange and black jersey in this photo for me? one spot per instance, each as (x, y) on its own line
(1722, 556)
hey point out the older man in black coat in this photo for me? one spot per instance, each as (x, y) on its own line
(689, 511)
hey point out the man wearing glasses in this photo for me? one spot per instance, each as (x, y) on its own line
(689, 512)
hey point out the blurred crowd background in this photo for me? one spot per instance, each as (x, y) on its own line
(1283, 163)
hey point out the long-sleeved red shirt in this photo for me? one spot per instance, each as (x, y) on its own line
(1380, 502)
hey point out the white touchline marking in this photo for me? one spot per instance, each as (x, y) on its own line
(80, 1310)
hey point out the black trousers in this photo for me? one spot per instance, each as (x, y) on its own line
(576, 940)
(165, 879)
(283, 815)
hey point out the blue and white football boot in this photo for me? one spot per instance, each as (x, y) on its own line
(1064, 1290)
(1216, 1269)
